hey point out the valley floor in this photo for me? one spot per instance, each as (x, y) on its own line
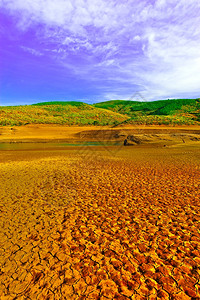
(46, 133)
(106, 222)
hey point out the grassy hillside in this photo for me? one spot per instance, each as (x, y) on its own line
(68, 113)
(63, 103)
(176, 111)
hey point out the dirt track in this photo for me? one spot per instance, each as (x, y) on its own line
(99, 223)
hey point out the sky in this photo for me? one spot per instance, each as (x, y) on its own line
(98, 50)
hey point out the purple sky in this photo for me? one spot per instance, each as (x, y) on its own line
(97, 50)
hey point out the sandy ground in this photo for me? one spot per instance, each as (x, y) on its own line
(46, 133)
(100, 223)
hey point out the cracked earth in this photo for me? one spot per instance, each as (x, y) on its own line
(108, 227)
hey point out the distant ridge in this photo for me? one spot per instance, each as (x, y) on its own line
(113, 112)
(58, 112)
(173, 111)
(73, 103)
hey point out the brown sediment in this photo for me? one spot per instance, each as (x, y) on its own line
(61, 133)
(100, 223)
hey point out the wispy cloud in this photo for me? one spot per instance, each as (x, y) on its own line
(32, 51)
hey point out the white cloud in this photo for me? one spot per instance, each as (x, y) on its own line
(77, 43)
(106, 63)
(174, 59)
(136, 38)
(73, 15)
(32, 51)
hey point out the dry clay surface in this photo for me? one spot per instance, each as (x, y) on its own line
(45, 132)
(99, 224)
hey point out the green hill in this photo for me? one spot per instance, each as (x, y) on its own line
(63, 103)
(64, 113)
(176, 111)
(115, 112)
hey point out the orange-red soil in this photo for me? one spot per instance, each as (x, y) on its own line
(97, 223)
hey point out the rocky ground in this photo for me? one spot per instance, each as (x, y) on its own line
(100, 223)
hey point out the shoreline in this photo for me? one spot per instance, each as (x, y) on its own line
(44, 133)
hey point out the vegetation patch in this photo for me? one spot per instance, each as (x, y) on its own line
(115, 112)
(56, 113)
(168, 112)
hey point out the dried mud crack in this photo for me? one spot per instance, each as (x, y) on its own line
(123, 227)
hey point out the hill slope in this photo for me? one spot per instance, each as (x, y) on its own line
(65, 113)
(176, 111)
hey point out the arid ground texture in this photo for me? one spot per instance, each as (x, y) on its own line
(101, 222)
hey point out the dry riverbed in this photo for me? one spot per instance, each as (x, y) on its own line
(168, 135)
(100, 223)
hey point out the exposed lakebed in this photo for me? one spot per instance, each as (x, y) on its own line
(47, 145)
